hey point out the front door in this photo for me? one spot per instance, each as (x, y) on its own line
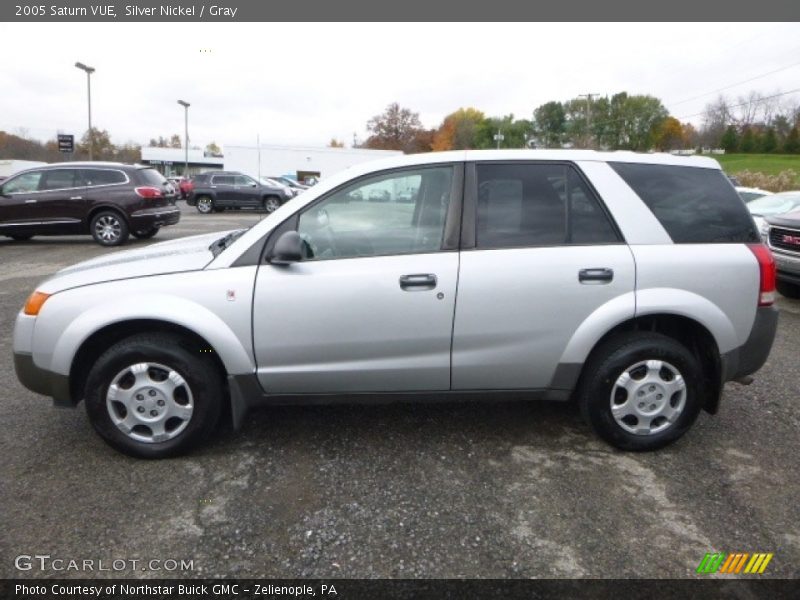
(246, 191)
(370, 308)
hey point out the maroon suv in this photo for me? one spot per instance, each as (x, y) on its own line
(109, 201)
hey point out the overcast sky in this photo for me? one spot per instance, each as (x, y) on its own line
(306, 83)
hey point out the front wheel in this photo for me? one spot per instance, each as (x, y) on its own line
(147, 233)
(108, 228)
(271, 204)
(641, 391)
(154, 395)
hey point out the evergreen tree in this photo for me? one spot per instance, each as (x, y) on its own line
(769, 142)
(730, 140)
(748, 142)
(792, 143)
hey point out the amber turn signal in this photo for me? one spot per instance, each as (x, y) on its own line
(35, 302)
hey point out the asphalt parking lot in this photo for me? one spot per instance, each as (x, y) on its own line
(467, 490)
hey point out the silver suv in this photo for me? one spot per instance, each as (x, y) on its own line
(634, 284)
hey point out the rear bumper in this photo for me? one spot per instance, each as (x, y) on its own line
(155, 217)
(751, 356)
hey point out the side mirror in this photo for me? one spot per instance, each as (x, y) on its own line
(288, 249)
(254, 184)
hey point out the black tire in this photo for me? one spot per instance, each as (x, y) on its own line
(147, 233)
(109, 228)
(201, 376)
(272, 203)
(790, 290)
(205, 204)
(618, 355)
(21, 237)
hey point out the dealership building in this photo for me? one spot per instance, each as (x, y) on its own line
(299, 162)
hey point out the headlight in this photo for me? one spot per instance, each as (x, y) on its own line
(764, 231)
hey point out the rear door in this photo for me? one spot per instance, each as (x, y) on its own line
(223, 186)
(62, 198)
(540, 255)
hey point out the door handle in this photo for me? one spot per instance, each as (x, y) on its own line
(596, 276)
(33, 201)
(76, 197)
(420, 282)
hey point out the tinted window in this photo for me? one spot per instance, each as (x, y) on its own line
(152, 177)
(222, 180)
(103, 176)
(59, 179)
(537, 205)
(27, 182)
(694, 205)
(400, 213)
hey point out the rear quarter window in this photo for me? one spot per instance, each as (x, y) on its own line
(694, 205)
(103, 176)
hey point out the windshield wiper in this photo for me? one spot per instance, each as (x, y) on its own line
(225, 241)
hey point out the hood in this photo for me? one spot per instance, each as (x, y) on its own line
(790, 219)
(184, 254)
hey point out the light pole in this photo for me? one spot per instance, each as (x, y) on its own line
(185, 106)
(499, 137)
(589, 115)
(89, 71)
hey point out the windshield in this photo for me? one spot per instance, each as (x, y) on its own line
(774, 205)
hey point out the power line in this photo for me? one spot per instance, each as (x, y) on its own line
(727, 87)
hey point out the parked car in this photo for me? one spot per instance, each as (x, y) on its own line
(782, 235)
(379, 196)
(774, 204)
(634, 284)
(292, 183)
(108, 201)
(749, 194)
(183, 186)
(290, 191)
(219, 190)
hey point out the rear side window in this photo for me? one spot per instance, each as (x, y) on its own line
(152, 177)
(537, 205)
(694, 205)
(59, 179)
(103, 176)
(222, 180)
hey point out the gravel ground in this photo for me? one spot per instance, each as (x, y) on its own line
(448, 490)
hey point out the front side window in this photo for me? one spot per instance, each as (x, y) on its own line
(398, 213)
(243, 180)
(23, 184)
(521, 205)
(59, 179)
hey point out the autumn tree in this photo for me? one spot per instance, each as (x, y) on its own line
(394, 129)
(213, 149)
(102, 148)
(175, 141)
(669, 135)
(334, 143)
(459, 130)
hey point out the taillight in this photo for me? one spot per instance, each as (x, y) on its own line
(766, 266)
(148, 192)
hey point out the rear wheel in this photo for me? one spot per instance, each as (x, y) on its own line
(147, 233)
(641, 391)
(272, 203)
(790, 290)
(152, 396)
(108, 228)
(205, 204)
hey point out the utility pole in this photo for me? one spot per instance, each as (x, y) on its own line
(185, 106)
(589, 115)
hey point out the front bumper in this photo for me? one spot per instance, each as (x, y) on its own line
(42, 381)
